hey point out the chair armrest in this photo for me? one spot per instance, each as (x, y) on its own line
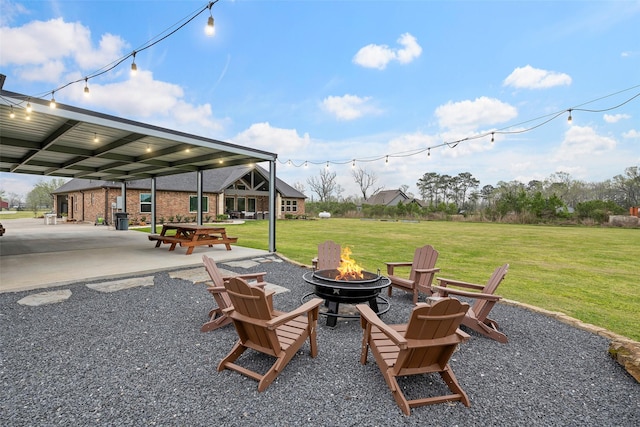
(392, 265)
(445, 282)
(368, 315)
(303, 309)
(426, 270)
(477, 295)
(257, 276)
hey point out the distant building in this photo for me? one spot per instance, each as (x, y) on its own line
(238, 191)
(391, 198)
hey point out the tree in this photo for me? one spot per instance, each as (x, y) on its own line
(365, 181)
(41, 196)
(324, 185)
(299, 186)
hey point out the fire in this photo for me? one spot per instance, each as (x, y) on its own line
(348, 269)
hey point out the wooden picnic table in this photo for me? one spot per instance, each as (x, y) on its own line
(192, 235)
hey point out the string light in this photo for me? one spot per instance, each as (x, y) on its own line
(29, 109)
(11, 113)
(289, 162)
(148, 148)
(570, 119)
(429, 152)
(95, 137)
(492, 137)
(327, 165)
(209, 29)
(134, 67)
(86, 86)
(353, 165)
(387, 160)
(52, 104)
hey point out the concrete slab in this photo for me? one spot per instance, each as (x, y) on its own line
(118, 285)
(242, 264)
(34, 255)
(43, 298)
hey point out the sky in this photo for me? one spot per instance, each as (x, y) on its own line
(323, 82)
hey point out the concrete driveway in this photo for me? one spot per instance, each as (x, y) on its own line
(34, 255)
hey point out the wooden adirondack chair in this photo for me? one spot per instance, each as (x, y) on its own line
(328, 256)
(485, 298)
(217, 318)
(421, 275)
(266, 330)
(422, 346)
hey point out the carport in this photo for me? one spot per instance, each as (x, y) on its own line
(70, 142)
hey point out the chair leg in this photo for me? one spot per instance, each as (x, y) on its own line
(396, 391)
(235, 352)
(217, 320)
(452, 382)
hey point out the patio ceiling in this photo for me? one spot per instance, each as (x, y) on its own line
(59, 142)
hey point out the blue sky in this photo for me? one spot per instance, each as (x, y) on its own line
(331, 81)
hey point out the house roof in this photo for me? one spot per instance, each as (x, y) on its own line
(214, 181)
(61, 142)
(384, 197)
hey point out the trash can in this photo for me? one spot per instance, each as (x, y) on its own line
(122, 221)
(50, 218)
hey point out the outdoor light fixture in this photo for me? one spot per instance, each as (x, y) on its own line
(209, 29)
(11, 113)
(29, 106)
(429, 152)
(386, 161)
(353, 165)
(134, 67)
(52, 104)
(148, 148)
(492, 137)
(86, 86)
(570, 119)
(95, 137)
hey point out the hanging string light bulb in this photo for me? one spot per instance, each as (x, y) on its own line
(570, 119)
(353, 164)
(429, 152)
(52, 103)
(86, 86)
(134, 67)
(11, 113)
(29, 109)
(95, 137)
(209, 29)
(492, 137)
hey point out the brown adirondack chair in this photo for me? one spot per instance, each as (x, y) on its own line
(421, 275)
(328, 256)
(267, 331)
(485, 298)
(422, 346)
(217, 318)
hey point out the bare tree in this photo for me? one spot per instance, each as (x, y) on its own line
(365, 181)
(324, 185)
(299, 186)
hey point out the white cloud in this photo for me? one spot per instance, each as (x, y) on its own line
(348, 107)
(583, 140)
(9, 11)
(534, 78)
(469, 115)
(44, 50)
(263, 136)
(379, 56)
(614, 118)
(632, 134)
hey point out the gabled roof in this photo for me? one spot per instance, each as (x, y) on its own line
(214, 181)
(385, 197)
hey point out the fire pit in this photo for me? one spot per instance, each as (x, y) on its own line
(336, 288)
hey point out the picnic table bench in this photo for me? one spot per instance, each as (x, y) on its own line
(191, 235)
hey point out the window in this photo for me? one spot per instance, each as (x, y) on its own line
(251, 202)
(242, 202)
(145, 202)
(289, 206)
(193, 204)
(229, 204)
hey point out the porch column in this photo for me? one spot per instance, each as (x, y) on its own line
(199, 178)
(272, 205)
(153, 204)
(123, 191)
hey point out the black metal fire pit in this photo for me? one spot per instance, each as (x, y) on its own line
(349, 291)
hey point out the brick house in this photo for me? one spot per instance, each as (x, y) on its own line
(238, 191)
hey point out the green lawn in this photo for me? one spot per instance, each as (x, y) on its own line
(589, 273)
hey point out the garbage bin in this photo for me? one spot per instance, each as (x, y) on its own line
(122, 221)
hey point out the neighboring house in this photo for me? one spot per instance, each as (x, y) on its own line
(239, 191)
(3, 204)
(391, 198)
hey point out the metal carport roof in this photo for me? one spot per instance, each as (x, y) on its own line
(71, 142)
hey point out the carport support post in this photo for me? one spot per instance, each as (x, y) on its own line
(199, 178)
(123, 190)
(272, 206)
(153, 204)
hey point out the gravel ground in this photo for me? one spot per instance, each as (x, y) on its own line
(137, 357)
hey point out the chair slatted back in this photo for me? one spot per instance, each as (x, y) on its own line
(428, 324)
(222, 299)
(251, 302)
(482, 307)
(423, 258)
(328, 255)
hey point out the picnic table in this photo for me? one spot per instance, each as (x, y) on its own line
(191, 235)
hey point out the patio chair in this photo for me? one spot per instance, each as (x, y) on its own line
(267, 331)
(420, 276)
(328, 256)
(485, 298)
(422, 346)
(217, 318)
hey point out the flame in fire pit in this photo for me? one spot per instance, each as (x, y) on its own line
(348, 268)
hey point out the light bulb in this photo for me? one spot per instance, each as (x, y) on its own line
(570, 119)
(52, 104)
(29, 109)
(86, 87)
(492, 137)
(209, 29)
(428, 152)
(148, 148)
(11, 113)
(134, 67)
(95, 137)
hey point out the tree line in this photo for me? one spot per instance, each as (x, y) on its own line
(559, 197)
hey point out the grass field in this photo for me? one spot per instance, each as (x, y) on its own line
(590, 273)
